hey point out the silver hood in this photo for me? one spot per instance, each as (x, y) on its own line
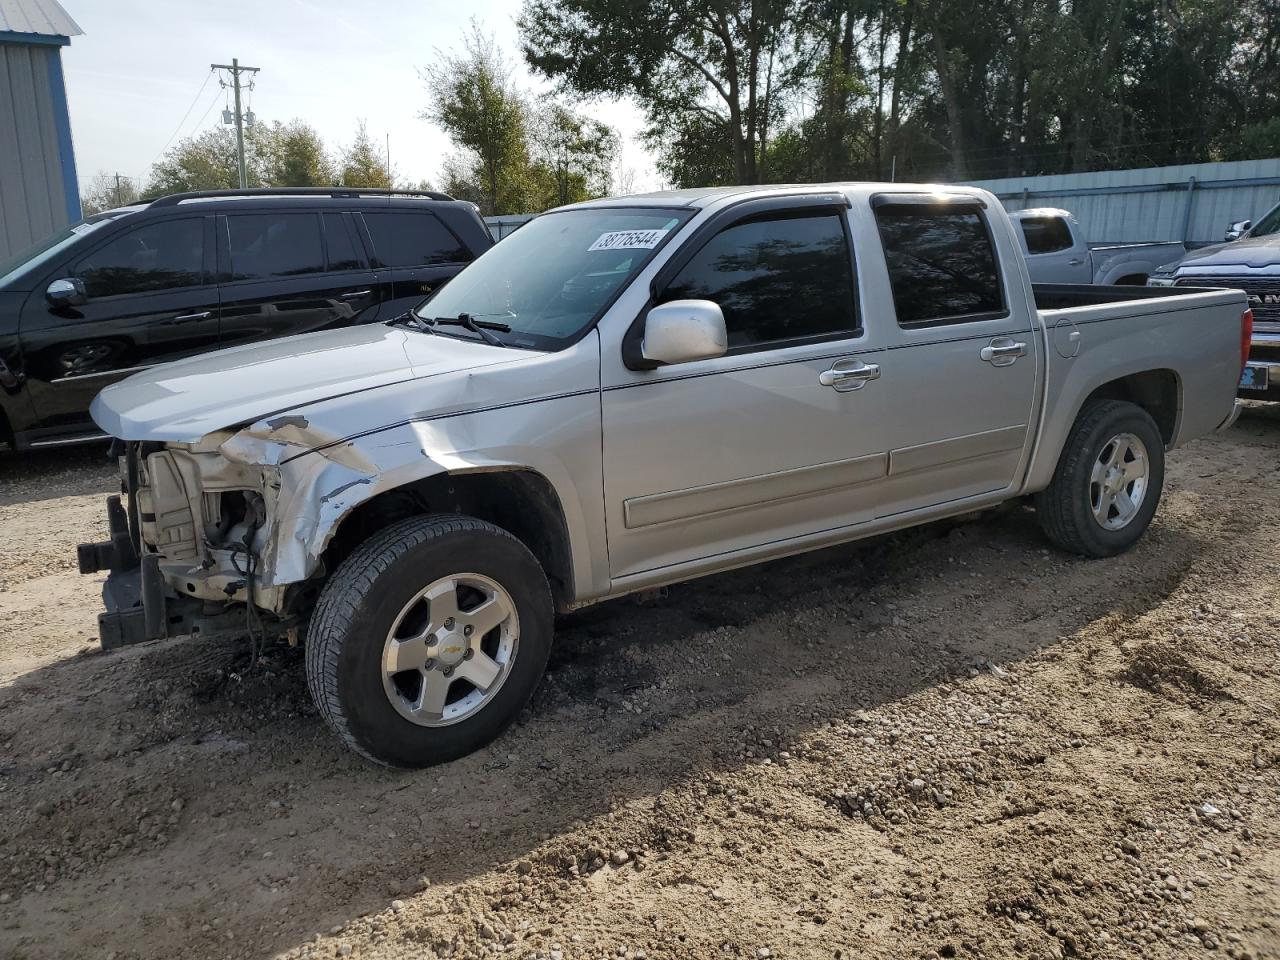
(185, 400)
(1249, 253)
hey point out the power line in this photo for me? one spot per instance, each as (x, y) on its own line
(190, 107)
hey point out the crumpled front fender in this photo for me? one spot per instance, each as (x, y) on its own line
(323, 478)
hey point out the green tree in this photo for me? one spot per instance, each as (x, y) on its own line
(727, 60)
(475, 101)
(105, 191)
(363, 163)
(293, 155)
(572, 155)
(206, 161)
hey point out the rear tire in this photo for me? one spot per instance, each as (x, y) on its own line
(1108, 482)
(429, 639)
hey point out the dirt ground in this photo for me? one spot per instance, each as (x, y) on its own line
(952, 742)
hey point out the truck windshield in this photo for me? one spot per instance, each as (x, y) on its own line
(14, 268)
(553, 277)
(1269, 224)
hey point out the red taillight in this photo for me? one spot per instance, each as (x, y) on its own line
(1246, 336)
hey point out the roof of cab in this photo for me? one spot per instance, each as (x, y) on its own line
(706, 196)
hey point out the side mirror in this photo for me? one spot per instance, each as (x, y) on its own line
(68, 292)
(684, 330)
(1237, 229)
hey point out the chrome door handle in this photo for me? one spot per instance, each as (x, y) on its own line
(355, 295)
(189, 317)
(1003, 351)
(849, 375)
(1075, 261)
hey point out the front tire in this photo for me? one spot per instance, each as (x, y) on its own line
(429, 639)
(1108, 481)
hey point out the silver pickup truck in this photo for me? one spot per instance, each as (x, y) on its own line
(1057, 252)
(626, 393)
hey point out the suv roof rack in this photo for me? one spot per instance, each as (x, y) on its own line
(173, 199)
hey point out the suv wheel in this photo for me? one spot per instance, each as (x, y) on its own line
(429, 639)
(1108, 482)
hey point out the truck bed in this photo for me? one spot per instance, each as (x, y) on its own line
(1060, 296)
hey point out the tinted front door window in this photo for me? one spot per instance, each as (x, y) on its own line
(942, 264)
(274, 245)
(412, 239)
(159, 256)
(775, 280)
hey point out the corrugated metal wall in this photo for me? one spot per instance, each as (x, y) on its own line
(33, 201)
(1120, 206)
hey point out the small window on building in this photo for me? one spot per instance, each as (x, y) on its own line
(341, 243)
(412, 240)
(1046, 234)
(274, 245)
(942, 264)
(158, 256)
(776, 280)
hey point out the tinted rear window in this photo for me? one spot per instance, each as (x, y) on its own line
(942, 264)
(412, 240)
(274, 245)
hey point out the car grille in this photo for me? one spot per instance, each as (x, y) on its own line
(1264, 296)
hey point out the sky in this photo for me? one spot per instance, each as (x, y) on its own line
(135, 73)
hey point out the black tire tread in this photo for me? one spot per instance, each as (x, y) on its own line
(1054, 504)
(335, 612)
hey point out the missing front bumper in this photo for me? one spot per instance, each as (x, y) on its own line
(138, 608)
(138, 605)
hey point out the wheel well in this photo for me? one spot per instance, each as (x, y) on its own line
(1133, 280)
(521, 502)
(1155, 391)
(6, 433)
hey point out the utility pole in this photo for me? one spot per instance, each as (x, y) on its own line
(236, 70)
(118, 203)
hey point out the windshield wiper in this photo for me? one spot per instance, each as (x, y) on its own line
(480, 328)
(411, 319)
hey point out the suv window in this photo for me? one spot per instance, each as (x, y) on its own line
(1046, 234)
(942, 264)
(776, 279)
(274, 245)
(341, 243)
(157, 256)
(412, 240)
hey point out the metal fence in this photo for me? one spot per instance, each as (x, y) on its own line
(1192, 203)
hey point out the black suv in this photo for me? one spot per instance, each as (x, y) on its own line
(193, 272)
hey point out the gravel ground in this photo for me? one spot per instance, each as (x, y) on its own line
(952, 742)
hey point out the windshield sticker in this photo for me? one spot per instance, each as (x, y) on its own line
(628, 240)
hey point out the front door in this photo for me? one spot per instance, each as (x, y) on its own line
(290, 272)
(151, 298)
(782, 437)
(962, 363)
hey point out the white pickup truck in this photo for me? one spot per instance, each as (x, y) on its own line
(1057, 252)
(627, 393)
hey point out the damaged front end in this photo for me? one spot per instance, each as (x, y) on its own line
(186, 534)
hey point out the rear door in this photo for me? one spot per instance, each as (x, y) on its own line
(414, 252)
(781, 438)
(1056, 253)
(285, 272)
(962, 363)
(151, 298)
